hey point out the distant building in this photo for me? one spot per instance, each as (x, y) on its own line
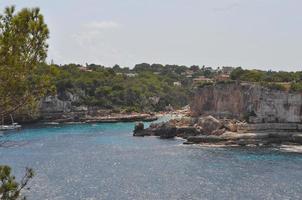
(84, 69)
(202, 79)
(177, 83)
(222, 77)
(131, 75)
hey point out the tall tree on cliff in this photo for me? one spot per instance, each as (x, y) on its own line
(23, 48)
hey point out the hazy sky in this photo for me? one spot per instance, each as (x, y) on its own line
(264, 34)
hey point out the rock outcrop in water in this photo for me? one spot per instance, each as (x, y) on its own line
(209, 130)
(237, 114)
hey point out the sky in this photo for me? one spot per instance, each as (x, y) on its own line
(261, 34)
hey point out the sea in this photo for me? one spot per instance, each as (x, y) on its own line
(104, 161)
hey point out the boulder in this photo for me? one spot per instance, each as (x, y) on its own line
(297, 138)
(139, 126)
(188, 131)
(166, 131)
(139, 129)
(163, 130)
(183, 121)
(209, 124)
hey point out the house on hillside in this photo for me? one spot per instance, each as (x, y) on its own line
(202, 79)
(84, 69)
(177, 83)
(222, 77)
(131, 75)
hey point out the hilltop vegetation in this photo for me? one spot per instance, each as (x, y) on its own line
(151, 87)
(145, 88)
(276, 80)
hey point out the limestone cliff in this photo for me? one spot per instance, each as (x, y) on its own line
(56, 107)
(253, 102)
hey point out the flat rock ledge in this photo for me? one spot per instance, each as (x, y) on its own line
(208, 130)
(106, 119)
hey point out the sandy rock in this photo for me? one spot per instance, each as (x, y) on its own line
(209, 124)
(184, 121)
(231, 126)
(218, 132)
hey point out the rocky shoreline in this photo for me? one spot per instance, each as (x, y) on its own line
(106, 119)
(208, 130)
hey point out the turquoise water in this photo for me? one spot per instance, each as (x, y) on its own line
(104, 161)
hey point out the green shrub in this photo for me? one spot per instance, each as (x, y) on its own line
(203, 84)
(226, 82)
(296, 87)
(273, 86)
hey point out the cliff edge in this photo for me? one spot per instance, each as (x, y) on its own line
(246, 101)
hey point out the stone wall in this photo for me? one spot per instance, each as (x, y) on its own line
(248, 101)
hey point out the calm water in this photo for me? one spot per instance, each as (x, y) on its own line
(104, 161)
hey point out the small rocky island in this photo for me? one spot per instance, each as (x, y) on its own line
(236, 114)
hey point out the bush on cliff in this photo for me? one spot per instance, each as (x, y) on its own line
(265, 76)
(203, 84)
(296, 87)
(274, 86)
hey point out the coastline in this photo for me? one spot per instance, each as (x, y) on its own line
(106, 119)
(208, 131)
(162, 116)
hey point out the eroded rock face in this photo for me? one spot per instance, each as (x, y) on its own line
(60, 107)
(248, 101)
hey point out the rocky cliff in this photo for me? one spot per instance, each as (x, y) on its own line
(60, 107)
(252, 102)
(65, 108)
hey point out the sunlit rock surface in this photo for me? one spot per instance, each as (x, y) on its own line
(244, 100)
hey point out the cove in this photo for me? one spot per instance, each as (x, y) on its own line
(104, 161)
